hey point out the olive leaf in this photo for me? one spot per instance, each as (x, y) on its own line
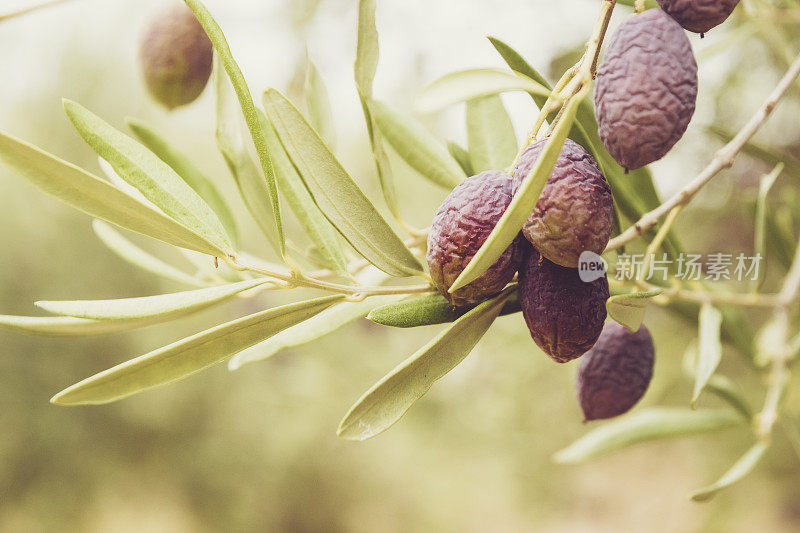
(460, 154)
(388, 400)
(759, 246)
(319, 105)
(366, 64)
(163, 305)
(427, 310)
(188, 171)
(322, 234)
(236, 77)
(709, 347)
(140, 258)
(335, 192)
(521, 205)
(316, 327)
(739, 470)
(250, 181)
(629, 309)
(188, 356)
(646, 425)
(490, 134)
(97, 197)
(417, 146)
(151, 176)
(67, 326)
(466, 85)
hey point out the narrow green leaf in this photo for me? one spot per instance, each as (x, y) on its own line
(656, 423)
(523, 203)
(162, 305)
(188, 356)
(709, 347)
(67, 326)
(469, 84)
(188, 171)
(138, 257)
(319, 105)
(739, 470)
(328, 321)
(322, 234)
(725, 389)
(151, 176)
(222, 49)
(427, 310)
(335, 192)
(97, 197)
(759, 247)
(388, 400)
(517, 63)
(417, 146)
(490, 133)
(251, 183)
(629, 309)
(366, 65)
(367, 50)
(460, 154)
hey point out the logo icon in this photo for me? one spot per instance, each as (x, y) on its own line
(591, 266)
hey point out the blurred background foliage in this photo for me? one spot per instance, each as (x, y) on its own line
(256, 450)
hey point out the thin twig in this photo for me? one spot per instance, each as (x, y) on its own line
(31, 9)
(722, 160)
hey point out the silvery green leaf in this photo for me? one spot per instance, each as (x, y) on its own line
(162, 305)
(316, 327)
(725, 389)
(759, 248)
(656, 423)
(365, 66)
(188, 171)
(251, 183)
(322, 234)
(629, 309)
(188, 356)
(428, 310)
(709, 347)
(490, 133)
(151, 176)
(97, 197)
(138, 257)
(335, 192)
(67, 326)
(739, 470)
(525, 199)
(460, 154)
(319, 105)
(249, 110)
(388, 400)
(475, 83)
(123, 185)
(367, 48)
(417, 146)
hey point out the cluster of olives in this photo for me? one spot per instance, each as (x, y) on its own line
(645, 98)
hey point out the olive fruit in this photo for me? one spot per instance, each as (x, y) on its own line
(615, 373)
(699, 16)
(646, 89)
(564, 314)
(176, 57)
(460, 227)
(575, 212)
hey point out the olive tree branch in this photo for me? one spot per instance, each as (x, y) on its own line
(31, 9)
(722, 160)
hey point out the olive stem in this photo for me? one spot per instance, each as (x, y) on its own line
(297, 279)
(31, 9)
(723, 159)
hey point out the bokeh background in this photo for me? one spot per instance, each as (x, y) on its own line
(256, 450)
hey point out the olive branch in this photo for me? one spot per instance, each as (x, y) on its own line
(152, 189)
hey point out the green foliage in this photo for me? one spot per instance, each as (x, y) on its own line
(629, 309)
